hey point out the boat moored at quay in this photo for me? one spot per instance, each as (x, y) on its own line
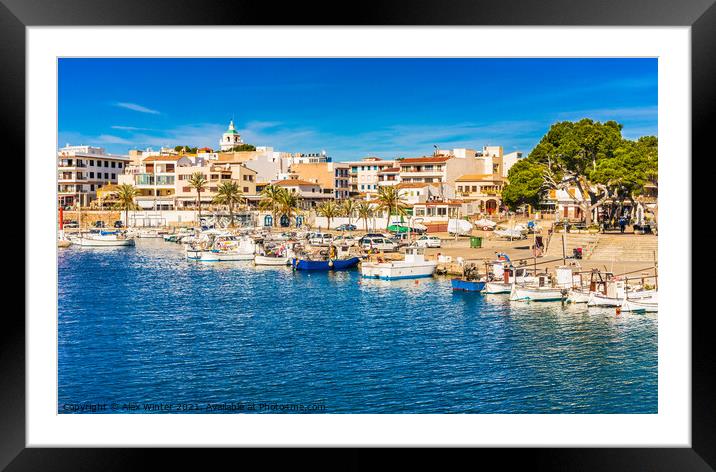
(102, 239)
(413, 266)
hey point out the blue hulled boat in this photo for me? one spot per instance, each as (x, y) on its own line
(337, 264)
(467, 285)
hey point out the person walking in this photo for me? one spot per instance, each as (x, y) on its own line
(622, 224)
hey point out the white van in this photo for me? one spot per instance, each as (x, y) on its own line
(321, 239)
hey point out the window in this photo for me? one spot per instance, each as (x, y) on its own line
(119, 164)
(91, 175)
(246, 190)
(114, 176)
(114, 164)
(106, 163)
(91, 162)
(106, 175)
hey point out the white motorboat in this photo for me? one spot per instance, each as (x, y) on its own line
(223, 247)
(510, 233)
(578, 296)
(537, 294)
(412, 267)
(641, 305)
(272, 260)
(504, 274)
(102, 239)
(541, 292)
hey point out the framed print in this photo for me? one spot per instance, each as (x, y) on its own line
(435, 226)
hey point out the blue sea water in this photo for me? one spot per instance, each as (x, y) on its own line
(144, 330)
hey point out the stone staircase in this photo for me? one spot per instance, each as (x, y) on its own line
(574, 240)
(625, 247)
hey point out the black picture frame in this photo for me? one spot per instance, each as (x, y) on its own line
(700, 15)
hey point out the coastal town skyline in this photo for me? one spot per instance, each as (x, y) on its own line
(394, 108)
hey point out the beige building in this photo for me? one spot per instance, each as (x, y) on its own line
(162, 181)
(484, 189)
(310, 193)
(332, 177)
(215, 175)
(155, 179)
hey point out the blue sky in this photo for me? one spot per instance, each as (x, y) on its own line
(352, 108)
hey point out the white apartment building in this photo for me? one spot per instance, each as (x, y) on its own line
(364, 174)
(309, 158)
(81, 170)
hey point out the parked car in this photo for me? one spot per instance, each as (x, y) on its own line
(346, 227)
(375, 235)
(321, 239)
(70, 224)
(118, 224)
(428, 241)
(402, 238)
(345, 240)
(378, 243)
(99, 224)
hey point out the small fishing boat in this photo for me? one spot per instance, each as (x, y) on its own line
(470, 280)
(412, 267)
(103, 239)
(330, 264)
(272, 260)
(577, 296)
(215, 247)
(468, 285)
(641, 305)
(542, 292)
(503, 274)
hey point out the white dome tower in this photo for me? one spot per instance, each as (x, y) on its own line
(231, 138)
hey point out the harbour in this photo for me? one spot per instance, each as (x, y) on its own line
(157, 325)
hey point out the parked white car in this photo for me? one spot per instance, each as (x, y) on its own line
(380, 244)
(345, 240)
(428, 241)
(321, 239)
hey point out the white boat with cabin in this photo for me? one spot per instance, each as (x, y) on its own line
(543, 291)
(103, 239)
(504, 274)
(223, 247)
(412, 267)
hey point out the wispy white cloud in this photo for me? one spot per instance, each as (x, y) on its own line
(632, 113)
(136, 107)
(129, 128)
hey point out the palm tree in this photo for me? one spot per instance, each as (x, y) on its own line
(330, 209)
(271, 200)
(198, 182)
(389, 199)
(288, 203)
(125, 200)
(348, 206)
(229, 194)
(364, 212)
